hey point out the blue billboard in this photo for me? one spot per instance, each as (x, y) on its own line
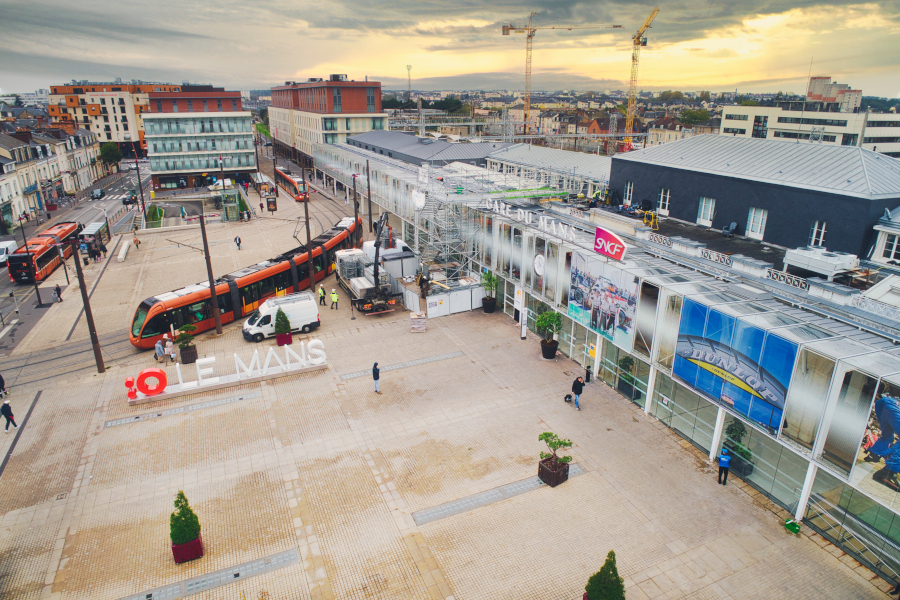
(742, 366)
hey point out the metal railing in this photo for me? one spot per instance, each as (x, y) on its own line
(875, 307)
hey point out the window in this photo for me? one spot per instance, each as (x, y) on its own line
(756, 223)
(370, 99)
(329, 124)
(205, 106)
(377, 124)
(336, 99)
(330, 138)
(662, 204)
(219, 104)
(738, 131)
(706, 211)
(234, 105)
(735, 117)
(629, 192)
(881, 140)
(174, 105)
(817, 234)
(849, 139)
(891, 251)
(190, 106)
(798, 120)
(158, 104)
(760, 127)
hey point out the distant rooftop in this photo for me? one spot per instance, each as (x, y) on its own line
(427, 149)
(579, 164)
(843, 170)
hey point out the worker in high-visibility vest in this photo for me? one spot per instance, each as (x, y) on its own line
(322, 295)
(334, 299)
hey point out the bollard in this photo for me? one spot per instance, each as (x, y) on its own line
(587, 374)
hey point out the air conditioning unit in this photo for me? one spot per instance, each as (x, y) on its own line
(338, 78)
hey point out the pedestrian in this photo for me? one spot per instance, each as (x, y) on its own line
(6, 411)
(376, 373)
(160, 349)
(103, 250)
(724, 460)
(321, 294)
(334, 298)
(237, 240)
(57, 291)
(260, 207)
(3, 391)
(577, 388)
(170, 349)
(137, 243)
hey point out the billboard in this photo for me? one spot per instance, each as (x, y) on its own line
(742, 366)
(602, 297)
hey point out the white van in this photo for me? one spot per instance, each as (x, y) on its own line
(6, 248)
(301, 310)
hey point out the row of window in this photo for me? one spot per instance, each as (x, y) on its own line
(796, 135)
(881, 140)
(883, 124)
(331, 124)
(799, 121)
(189, 126)
(201, 145)
(736, 117)
(734, 130)
(190, 105)
(202, 162)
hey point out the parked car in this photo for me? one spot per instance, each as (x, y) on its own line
(97, 194)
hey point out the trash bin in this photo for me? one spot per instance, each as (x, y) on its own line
(87, 261)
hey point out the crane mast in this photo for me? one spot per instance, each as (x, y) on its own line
(636, 43)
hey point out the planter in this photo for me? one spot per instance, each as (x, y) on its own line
(52, 206)
(626, 388)
(284, 339)
(550, 477)
(190, 551)
(489, 304)
(189, 355)
(740, 466)
(548, 350)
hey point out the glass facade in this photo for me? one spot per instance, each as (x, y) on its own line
(185, 143)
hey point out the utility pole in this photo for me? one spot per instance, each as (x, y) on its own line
(140, 183)
(355, 202)
(309, 250)
(369, 194)
(33, 266)
(92, 329)
(212, 280)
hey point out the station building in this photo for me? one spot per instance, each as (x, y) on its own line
(791, 374)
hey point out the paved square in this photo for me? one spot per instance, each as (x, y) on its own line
(320, 464)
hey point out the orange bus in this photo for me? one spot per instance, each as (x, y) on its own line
(40, 255)
(240, 293)
(295, 187)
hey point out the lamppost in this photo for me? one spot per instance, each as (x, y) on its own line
(86, 300)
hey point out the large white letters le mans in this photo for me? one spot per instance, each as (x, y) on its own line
(310, 355)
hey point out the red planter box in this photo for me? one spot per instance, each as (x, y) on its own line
(284, 339)
(190, 551)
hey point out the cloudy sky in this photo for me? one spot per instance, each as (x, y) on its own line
(719, 45)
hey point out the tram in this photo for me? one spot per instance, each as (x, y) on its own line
(40, 255)
(295, 187)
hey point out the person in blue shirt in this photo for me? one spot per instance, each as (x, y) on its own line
(724, 461)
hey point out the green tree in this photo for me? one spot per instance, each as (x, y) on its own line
(670, 95)
(18, 102)
(689, 117)
(264, 116)
(282, 323)
(184, 525)
(606, 584)
(110, 153)
(748, 102)
(549, 322)
(704, 97)
(555, 443)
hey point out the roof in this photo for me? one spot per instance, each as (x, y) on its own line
(588, 166)
(426, 149)
(8, 142)
(844, 170)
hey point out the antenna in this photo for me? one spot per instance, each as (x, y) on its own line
(408, 82)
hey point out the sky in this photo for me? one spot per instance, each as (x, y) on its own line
(717, 45)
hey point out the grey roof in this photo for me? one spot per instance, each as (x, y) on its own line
(426, 149)
(844, 170)
(588, 166)
(8, 142)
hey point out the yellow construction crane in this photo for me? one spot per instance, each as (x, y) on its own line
(637, 41)
(530, 29)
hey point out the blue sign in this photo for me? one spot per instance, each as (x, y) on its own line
(740, 365)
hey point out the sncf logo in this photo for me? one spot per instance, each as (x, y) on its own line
(609, 244)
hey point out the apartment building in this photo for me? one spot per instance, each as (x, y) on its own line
(112, 111)
(196, 135)
(667, 129)
(322, 112)
(36, 168)
(12, 203)
(830, 114)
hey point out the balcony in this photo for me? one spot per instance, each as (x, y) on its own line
(31, 188)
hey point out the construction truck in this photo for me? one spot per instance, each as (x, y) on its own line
(362, 278)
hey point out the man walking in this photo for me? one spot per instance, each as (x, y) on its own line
(57, 291)
(724, 461)
(376, 373)
(3, 391)
(334, 298)
(237, 240)
(103, 250)
(6, 411)
(577, 388)
(137, 243)
(321, 294)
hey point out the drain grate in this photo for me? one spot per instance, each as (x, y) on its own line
(404, 365)
(180, 410)
(468, 503)
(220, 578)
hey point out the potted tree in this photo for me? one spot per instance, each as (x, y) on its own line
(551, 323)
(283, 329)
(553, 469)
(605, 584)
(741, 456)
(489, 283)
(184, 530)
(185, 342)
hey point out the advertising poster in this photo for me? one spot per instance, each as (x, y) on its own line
(877, 462)
(603, 298)
(740, 365)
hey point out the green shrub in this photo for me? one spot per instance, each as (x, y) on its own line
(282, 323)
(554, 443)
(184, 339)
(489, 283)
(550, 322)
(184, 525)
(606, 584)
